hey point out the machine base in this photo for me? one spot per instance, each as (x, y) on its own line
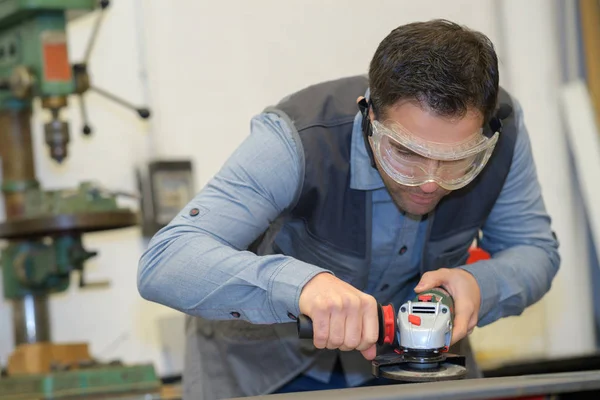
(112, 381)
(395, 366)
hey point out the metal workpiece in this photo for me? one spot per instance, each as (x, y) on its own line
(469, 389)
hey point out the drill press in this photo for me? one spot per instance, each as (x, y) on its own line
(43, 229)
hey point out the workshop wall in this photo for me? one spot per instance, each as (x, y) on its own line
(205, 68)
(539, 51)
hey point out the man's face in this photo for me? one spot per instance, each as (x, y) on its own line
(421, 200)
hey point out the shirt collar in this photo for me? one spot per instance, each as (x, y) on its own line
(362, 175)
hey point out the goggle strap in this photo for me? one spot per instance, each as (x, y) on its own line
(496, 122)
(367, 128)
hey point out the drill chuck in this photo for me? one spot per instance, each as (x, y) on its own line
(57, 139)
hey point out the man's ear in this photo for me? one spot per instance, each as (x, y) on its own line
(367, 128)
(371, 114)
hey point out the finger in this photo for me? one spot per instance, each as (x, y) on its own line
(431, 280)
(370, 324)
(321, 324)
(353, 332)
(461, 325)
(337, 329)
(370, 353)
(472, 324)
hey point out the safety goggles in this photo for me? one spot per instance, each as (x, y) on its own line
(413, 161)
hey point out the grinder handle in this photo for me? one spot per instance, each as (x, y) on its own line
(305, 327)
(387, 325)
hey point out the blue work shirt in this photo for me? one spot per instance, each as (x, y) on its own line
(198, 264)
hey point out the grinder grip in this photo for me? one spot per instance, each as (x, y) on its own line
(305, 327)
(387, 325)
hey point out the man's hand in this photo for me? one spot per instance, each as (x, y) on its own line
(343, 317)
(463, 287)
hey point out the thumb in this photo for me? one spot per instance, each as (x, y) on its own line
(431, 280)
(369, 353)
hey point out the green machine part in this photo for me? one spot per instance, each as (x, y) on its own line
(43, 264)
(100, 382)
(437, 295)
(33, 36)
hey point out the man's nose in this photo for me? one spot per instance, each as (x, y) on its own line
(429, 187)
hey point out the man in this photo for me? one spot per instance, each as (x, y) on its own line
(349, 193)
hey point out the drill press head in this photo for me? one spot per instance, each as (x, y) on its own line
(34, 62)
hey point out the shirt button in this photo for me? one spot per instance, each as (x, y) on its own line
(194, 212)
(291, 316)
(235, 314)
(403, 250)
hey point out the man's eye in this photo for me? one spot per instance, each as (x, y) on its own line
(404, 152)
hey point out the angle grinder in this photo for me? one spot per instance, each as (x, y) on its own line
(420, 337)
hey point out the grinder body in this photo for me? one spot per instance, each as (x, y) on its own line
(425, 323)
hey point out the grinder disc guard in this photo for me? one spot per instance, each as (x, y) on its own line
(398, 367)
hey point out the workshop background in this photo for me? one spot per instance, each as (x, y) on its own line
(205, 68)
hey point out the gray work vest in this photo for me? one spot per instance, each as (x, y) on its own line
(329, 225)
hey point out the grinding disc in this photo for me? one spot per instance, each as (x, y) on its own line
(404, 372)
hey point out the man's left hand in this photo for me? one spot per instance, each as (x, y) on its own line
(465, 291)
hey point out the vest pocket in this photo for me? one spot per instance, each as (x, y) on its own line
(452, 259)
(296, 242)
(450, 252)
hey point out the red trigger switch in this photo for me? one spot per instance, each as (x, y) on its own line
(425, 297)
(414, 319)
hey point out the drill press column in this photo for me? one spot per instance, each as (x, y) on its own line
(30, 313)
(31, 319)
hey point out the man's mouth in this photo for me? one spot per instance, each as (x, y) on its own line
(422, 200)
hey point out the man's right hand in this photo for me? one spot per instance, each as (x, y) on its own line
(343, 317)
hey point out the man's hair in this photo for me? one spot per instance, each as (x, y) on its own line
(446, 67)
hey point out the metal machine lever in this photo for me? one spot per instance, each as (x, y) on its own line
(82, 79)
(88, 52)
(142, 112)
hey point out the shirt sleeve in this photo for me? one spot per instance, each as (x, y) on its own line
(198, 263)
(519, 237)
